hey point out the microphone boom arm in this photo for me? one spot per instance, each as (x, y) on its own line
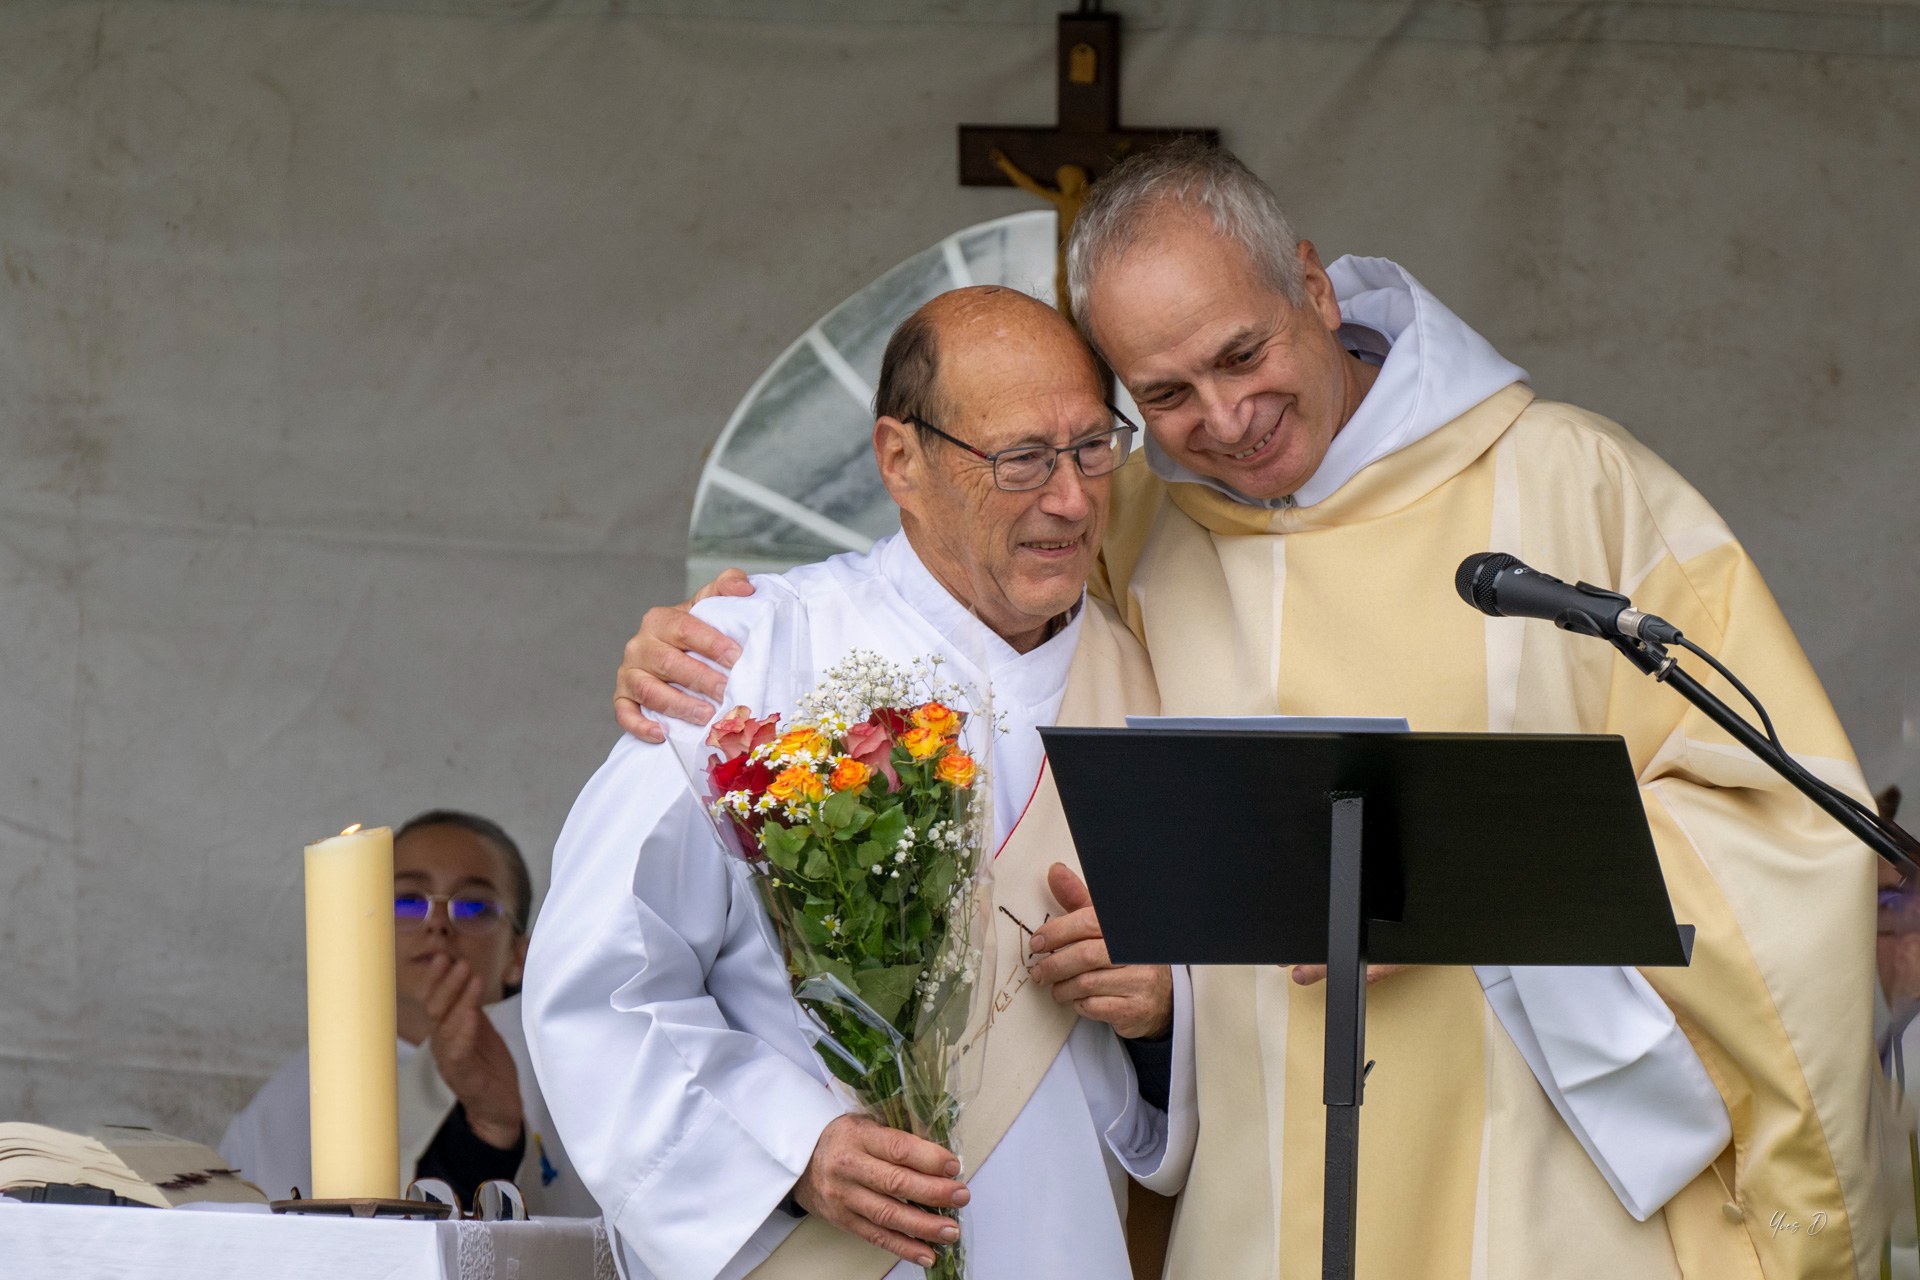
(1654, 660)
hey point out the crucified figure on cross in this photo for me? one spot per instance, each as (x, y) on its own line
(1086, 141)
(1066, 199)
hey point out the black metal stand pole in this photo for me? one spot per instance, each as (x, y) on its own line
(1346, 1037)
(1659, 664)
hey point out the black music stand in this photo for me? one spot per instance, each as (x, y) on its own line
(1389, 848)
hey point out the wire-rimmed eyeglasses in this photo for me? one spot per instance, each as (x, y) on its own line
(468, 913)
(495, 1200)
(1030, 466)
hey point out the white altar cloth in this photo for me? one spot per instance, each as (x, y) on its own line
(64, 1242)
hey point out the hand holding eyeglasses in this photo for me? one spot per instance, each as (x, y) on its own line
(471, 1056)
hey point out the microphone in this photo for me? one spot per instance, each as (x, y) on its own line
(1499, 584)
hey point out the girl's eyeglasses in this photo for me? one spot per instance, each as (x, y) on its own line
(467, 913)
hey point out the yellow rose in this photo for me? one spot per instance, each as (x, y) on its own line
(797, 782)
(849, 775)
(800, 738)
(957, 769)
(922, 743)
(937, 718)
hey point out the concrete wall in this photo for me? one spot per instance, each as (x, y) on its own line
(357, 361)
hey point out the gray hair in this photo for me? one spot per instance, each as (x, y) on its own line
(1122, 206)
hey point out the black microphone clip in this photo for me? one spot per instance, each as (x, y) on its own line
(1609, 604)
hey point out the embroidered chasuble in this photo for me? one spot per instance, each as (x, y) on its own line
(1347, 607)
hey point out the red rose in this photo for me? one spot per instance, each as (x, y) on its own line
(895, 721)
(752, 777)
(741, 773)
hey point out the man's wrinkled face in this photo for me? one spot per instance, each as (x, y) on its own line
(1017, 559)
(1235, 382)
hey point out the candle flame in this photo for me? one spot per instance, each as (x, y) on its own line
(350, 830)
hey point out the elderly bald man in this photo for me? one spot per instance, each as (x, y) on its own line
(658, 1008)
(1325, 445)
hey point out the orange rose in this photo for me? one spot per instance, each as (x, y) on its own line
(800, 738)
(922, 743)
(956, 769)
(937, 718)
(797, 782)
(849, 775)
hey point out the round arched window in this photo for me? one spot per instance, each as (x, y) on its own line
(791, 478)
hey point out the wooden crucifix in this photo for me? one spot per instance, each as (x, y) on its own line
(1086, 142)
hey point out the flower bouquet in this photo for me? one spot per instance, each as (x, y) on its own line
(864, 819)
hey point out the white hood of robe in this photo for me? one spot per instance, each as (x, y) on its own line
(1433, 368)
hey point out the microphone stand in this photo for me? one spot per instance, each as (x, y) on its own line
(1653, 659)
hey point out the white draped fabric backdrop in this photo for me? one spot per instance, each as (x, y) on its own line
(357, 361)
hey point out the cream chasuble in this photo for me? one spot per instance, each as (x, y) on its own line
(1347, 607)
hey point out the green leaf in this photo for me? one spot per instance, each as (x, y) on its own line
(845, 814)
(939, 877)
(783, 845)
(811, 929)
(919, 921)
(838, 810)
(838, 968)
(818, 865)
(887, 990)
(889, 826)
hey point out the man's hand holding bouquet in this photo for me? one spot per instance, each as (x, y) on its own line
(864, 818)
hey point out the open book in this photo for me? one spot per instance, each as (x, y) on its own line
(136, 1164)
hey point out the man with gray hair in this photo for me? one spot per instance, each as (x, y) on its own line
(1326, 445)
